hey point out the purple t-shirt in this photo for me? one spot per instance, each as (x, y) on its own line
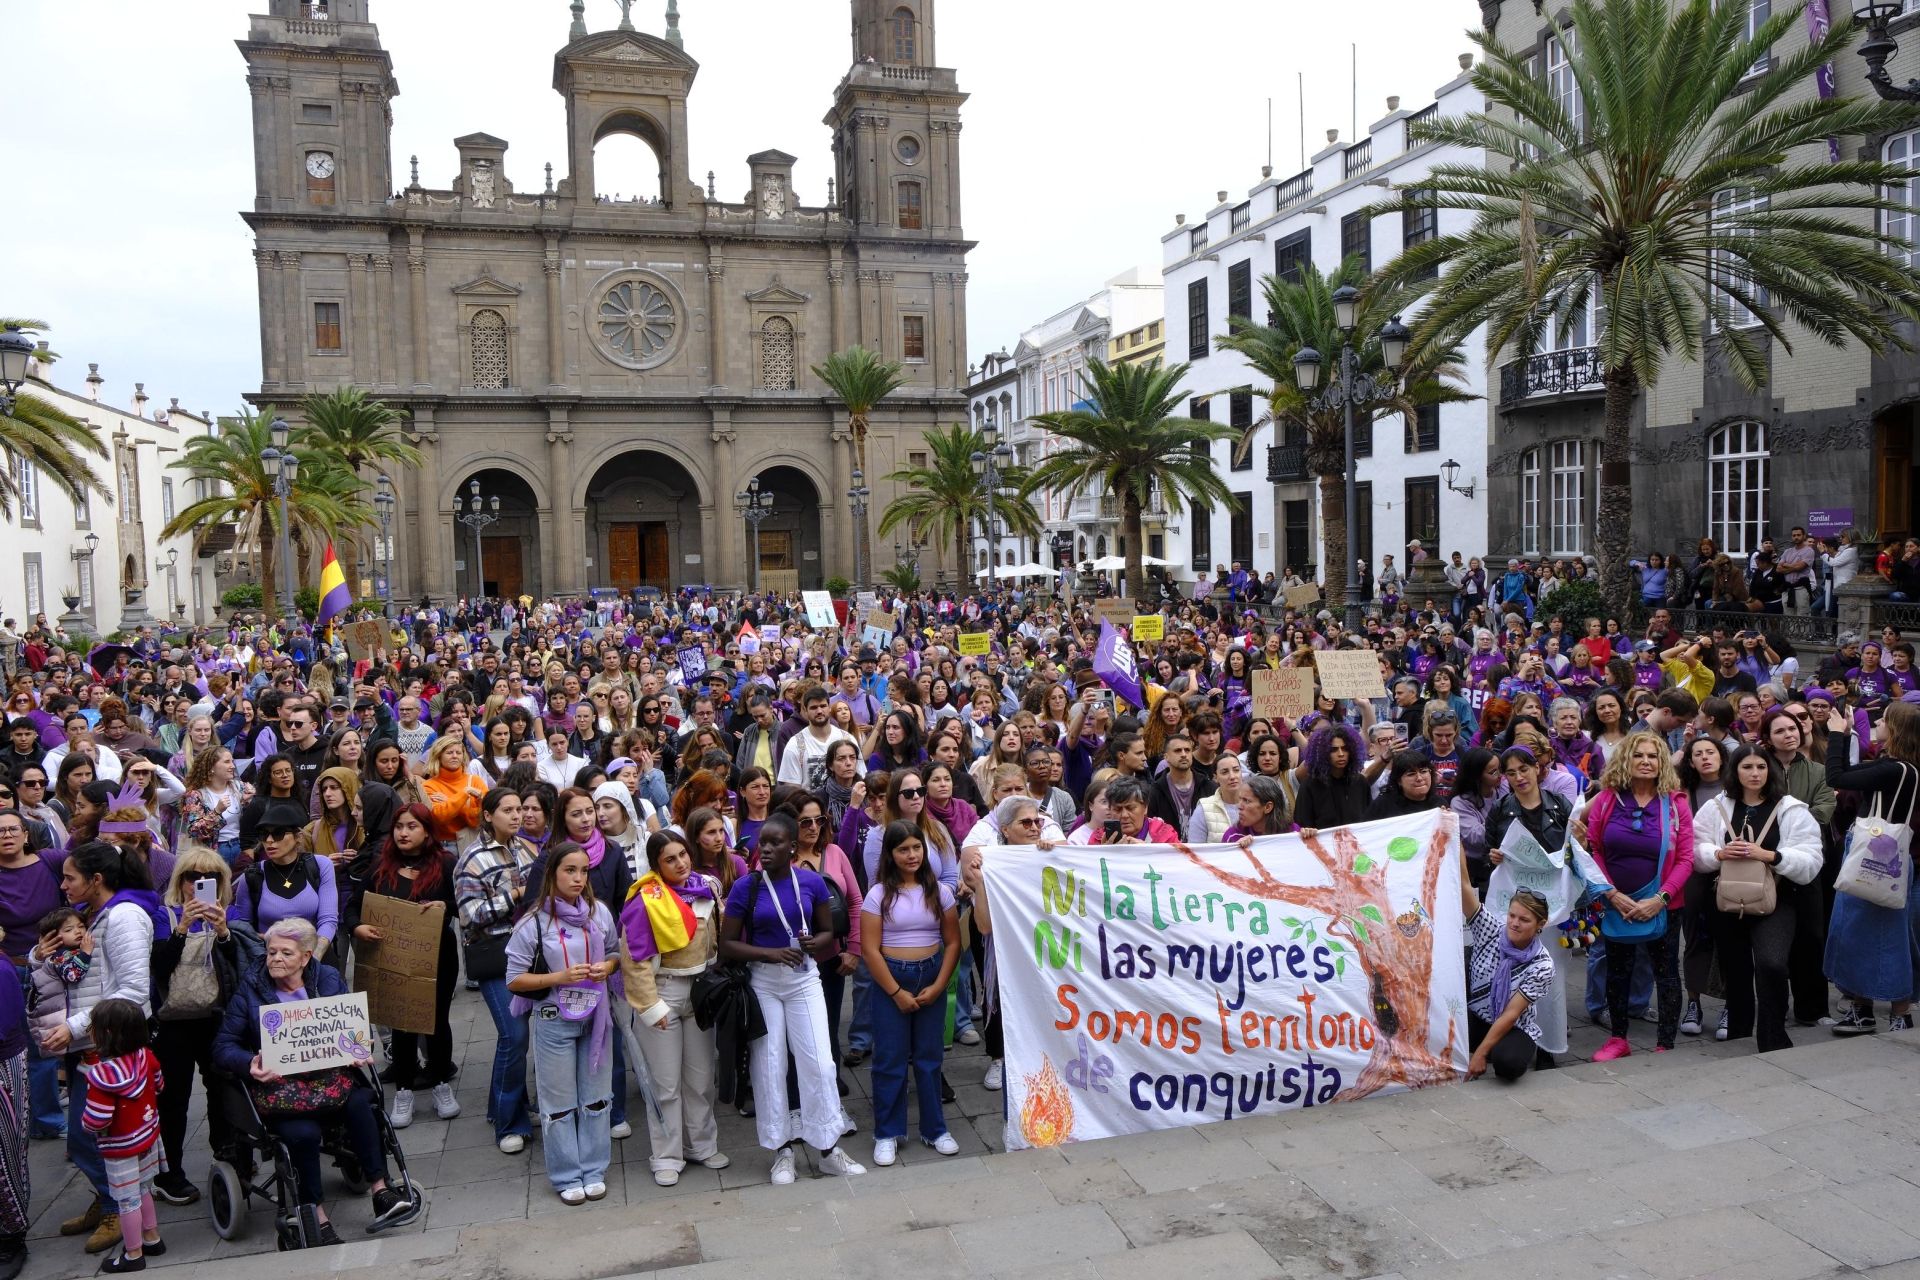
(27, 893)
(1633, 857)
(764, 929)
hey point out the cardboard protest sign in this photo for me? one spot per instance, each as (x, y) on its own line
(1158, 986)
(975, 644)
(1149, 626)
(399, 971)
(877, 628)
(1286, 693)
(300, 1036)
(770, 633)
(693, 664)
(364, 638)
(1302, 597)
(1116, 611)
(1350, 673)
(819, 610)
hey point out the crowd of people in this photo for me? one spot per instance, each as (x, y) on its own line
(696, 853)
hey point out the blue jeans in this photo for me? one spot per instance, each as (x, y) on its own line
(860, 1033)
(963, 994)
(575, 1136)
(1642, 991)
(81, 1147)
(303, 1135)
(903, 1041)
(230, 851)
(619, 1078)
(507, 1091)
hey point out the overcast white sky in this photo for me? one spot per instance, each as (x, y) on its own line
(127, 145)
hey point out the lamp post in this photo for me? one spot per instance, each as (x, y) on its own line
(383, 501)
(987, 465)
(857, 503)
(480, 514)
(165, 568)
(16, 352)
(754, 506)
(1879, 48)
(1451, 471)
(1352, 390)
(73, 622)
(284, 468)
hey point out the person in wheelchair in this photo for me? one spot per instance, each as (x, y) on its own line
(290, 972)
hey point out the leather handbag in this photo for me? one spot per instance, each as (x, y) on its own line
(1746, 886)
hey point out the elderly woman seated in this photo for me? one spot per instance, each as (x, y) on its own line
(290, 972)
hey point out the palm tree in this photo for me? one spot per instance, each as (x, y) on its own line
(1127, 443)
(240, 492)
(1301, 314)
(1696, 200)
(49, 437)
(351, 426)
(861, 380)
(943, 500)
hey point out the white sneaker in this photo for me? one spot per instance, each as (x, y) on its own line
(402, 1113)
(996, 1076)
(621, 1130)
(885, 1151)
(945, 1145)
(968, 1036)
(1720, 1028)
(838, 1161)
(512, 1145)
(445, 1105)
(718, 1160)
(783, 1168)
(848, 1125)
(574, 1195)
(596, 1191)
(666, 1177)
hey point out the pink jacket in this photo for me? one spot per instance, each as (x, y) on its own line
(834, 865)
(1679, 851)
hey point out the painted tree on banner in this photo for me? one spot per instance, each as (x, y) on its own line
(1392, 945)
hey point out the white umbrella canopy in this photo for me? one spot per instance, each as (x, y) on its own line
(1105, 563)
(1019, 571)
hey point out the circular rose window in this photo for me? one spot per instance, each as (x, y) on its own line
(908, 149)
(637, 323)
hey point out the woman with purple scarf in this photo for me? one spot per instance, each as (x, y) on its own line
(558, 961)
(1508, 973)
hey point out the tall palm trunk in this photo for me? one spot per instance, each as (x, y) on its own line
(862, 544)
(1338, 569)
(1136, 570)
(268, 539)
(1613, 526)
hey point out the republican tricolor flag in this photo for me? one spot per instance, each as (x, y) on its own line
(334, 596)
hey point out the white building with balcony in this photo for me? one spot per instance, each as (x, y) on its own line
(1215, 268)
(103, 554)
(1044, 375)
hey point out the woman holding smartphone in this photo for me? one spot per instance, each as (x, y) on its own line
(195, 966)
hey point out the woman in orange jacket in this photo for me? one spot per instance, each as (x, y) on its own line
(453, 794)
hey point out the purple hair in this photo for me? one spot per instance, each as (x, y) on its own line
(1318, 757)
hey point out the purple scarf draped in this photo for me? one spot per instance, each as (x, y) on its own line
(956, 815)
(1509, 959)
(595, 846)
(576, 916)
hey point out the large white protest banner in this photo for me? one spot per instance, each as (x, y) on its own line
(1156, 986)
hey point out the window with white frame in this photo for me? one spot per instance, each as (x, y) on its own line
(166, 497)
(1729, 208)
(1758, 11)
(1530, 503)
(36, 585)
(1738, 476)
(84, 584)
(1561, 84)
(1567, 498)
(27, 481)
(1904, 223)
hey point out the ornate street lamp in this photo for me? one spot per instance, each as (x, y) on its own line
(480, 514)
(1879, 48)
(16, 352)
(383, 502)
(857, 503)
(754, 506)
(284, 469)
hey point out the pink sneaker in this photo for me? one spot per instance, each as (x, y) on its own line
(1617, 1047)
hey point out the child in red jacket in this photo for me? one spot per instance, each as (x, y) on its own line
(123, 1090)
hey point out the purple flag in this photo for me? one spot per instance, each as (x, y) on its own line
(1819, 21)
(1113, 663)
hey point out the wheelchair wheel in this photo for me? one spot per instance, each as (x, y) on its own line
(352, 1178)
(226, 1201)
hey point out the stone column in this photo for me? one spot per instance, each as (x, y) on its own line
(722, 554)
(889, 345)
(843, 507)
(272, 350)
(384, 304)
(561, 558)
(417, 309)
(716, 324)
(293, 322)
(1855, 600)
(430, 546)
(360, 330)
(556, 349)
(938, 344)
(956, 337)
(937, 180)
(864, 328)
(836, 299)
(952, 171)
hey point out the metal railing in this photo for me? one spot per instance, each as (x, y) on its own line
(1430, 112)
(1358, 158)
(1552, 373)
(1898, 614)
(1812, 629)
(1286, 463)
(1293, 190)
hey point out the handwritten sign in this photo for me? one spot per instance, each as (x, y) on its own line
(1118, 612)
(364, 639)
(399, 971)
(1350, 673)
(819, 610)
(1149, 626)
(1302, 597)
(1283, 694)
(1155, 987)
(300, 1036)
(693, 664)
(770, 632)
(975, 644)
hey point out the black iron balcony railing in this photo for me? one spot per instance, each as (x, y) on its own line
(1552, 373)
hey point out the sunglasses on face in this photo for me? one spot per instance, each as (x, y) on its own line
(282, 833)
(812, 822)
(33, 782)
(912, 793)
(1028, 821)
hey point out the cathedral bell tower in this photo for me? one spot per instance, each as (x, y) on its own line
(322, 92)
(896, 126)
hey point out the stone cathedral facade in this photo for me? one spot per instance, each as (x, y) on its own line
(614, 370)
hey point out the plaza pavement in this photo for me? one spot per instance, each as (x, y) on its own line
(1708, 1161)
